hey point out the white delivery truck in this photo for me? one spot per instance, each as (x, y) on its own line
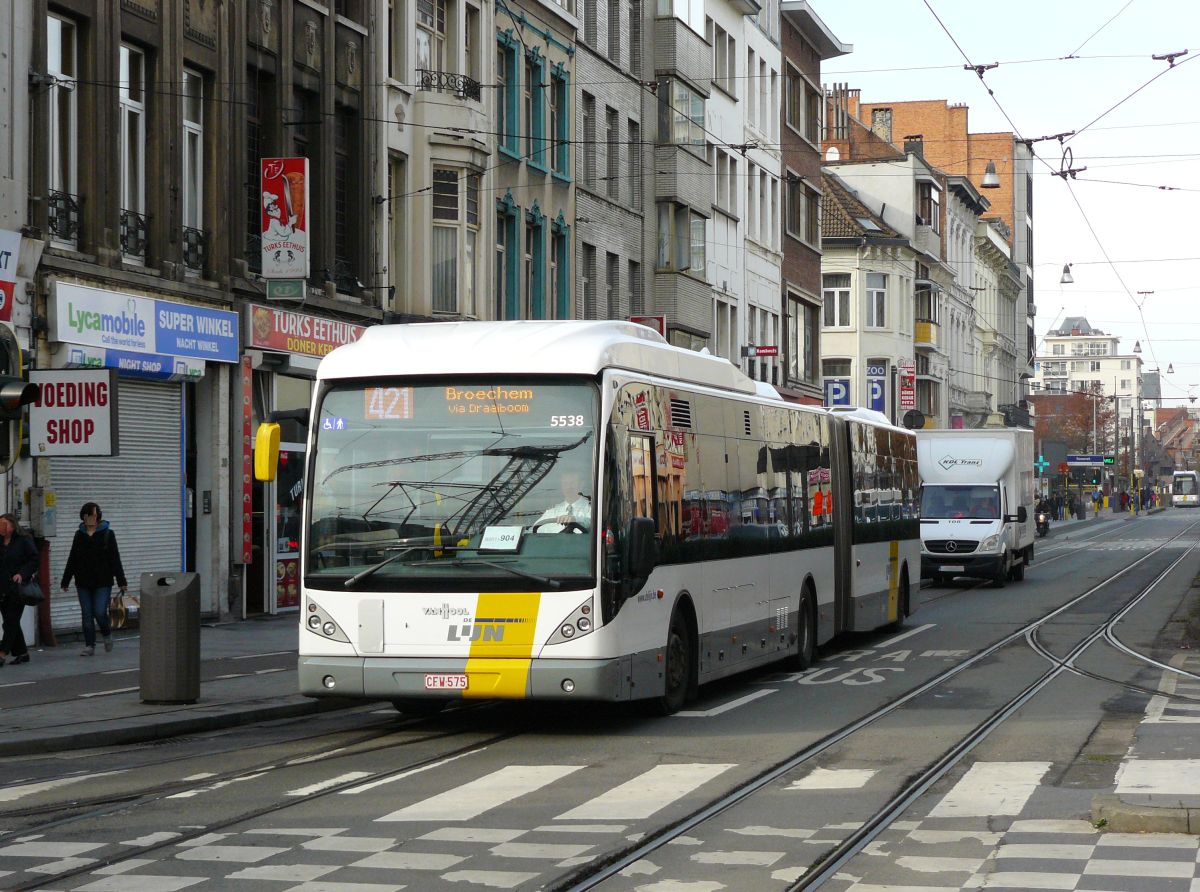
(977, 503)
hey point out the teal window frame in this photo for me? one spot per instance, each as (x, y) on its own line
(535, 129)
(537, 291)
(510, 135)
(560, 83)
(560, 245)
(507, 213)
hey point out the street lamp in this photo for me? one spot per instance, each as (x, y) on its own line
(1066, 275)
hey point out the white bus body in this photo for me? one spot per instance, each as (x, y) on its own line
(479, 498)
(1185, 489)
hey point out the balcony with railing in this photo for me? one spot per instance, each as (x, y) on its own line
(195, 249)
(134, 235)
(448, 82)
(62, 218)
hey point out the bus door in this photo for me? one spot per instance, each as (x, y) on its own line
(842, 488)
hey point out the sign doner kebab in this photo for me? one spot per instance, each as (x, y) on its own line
(284, 183)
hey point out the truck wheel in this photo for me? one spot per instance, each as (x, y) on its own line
(678, 668)
(806, 633)
(1017, 573)
(1005, 571)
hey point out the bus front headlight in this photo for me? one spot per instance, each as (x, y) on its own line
(991, 543)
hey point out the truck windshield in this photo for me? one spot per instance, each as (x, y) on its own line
(455, 485)
(957, 502)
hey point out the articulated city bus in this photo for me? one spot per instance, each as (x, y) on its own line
(579, 510)
(1185, 489)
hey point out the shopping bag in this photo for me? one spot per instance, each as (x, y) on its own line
(31, 593)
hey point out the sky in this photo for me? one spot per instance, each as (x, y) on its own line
(1138, 128)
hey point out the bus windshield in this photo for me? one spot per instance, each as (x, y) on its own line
(957, 502)
(454, 485)
(1184, 485)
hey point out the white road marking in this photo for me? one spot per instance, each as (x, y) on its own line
(1042, 825)
(354, 791)
(107, 693)
(582, 828)
(409, 861)
(1010, 880)
(1176, 777)
(274, 653)
(286, 873)
(280, 669)
(472, 834)
(738, 858)
(119, 671)
(491, 791)
(647, 793)
(340, 843)
(928, 864)
(496, 879)
(12, 794)
(143, 883)
(1179, 870)
(546, 851)
(917, 631)
(786, 832)
(317, 758)
(188, 794)
(1149, 840)
(299, 831)
(17, 684)
(724, 707)
(992, 788)
(1065, 852)
(346, 778)
(150, 839)
(233, 675)
(834, 779)
(238, 854)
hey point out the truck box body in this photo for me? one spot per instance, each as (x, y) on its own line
(974, 485)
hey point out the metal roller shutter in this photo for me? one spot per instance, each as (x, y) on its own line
(139, 491)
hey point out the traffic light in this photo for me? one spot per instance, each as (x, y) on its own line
(1095, 478)
(15, 394)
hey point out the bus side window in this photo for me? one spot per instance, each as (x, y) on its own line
(641, 472)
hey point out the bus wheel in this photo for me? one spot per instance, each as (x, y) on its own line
(806, 633)
(677, 668)
(419, 707)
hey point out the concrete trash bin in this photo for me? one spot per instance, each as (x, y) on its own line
(170, 647)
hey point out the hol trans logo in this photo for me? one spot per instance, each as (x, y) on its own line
(950, 461)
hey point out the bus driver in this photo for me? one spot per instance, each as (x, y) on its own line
(573, 514)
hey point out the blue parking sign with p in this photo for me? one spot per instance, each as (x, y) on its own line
(837, 391)
(876, 398)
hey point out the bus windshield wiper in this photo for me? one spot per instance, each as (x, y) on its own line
(401, 551)
(516, 571)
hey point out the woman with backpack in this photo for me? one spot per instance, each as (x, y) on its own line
(93, 562)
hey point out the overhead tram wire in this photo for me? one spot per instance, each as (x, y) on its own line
(1098, 30)
(1113, 108)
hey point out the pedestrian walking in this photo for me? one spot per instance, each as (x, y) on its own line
(18, 565)
(94, 562)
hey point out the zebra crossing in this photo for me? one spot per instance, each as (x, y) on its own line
(972, 837)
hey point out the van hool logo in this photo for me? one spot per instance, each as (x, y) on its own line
(951, 462)
(490, 629)
(446, 611)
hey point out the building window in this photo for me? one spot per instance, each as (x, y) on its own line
(724, 60)
(397, 35)
(431, 34)
(637, 300)
(507, 85)
(506, 266)
(589, 140)
(681, 239)
(347, 211)
(635, 164)
(612, 283)
(802, 347)
(635, 38)
(560, 269)
(588, 281)
(560, 121)
(254, 151)
(397, 231)
(535, 110)
(133, 152)
(836, 294)
(590, 12)
(681, 113)
(613, 139)
(928, 207)
(876, 300)
(690, 12)
(62, 160)
(471, 45)
(614, 32)
(193, 170)
(1058, 350)
(455, 223)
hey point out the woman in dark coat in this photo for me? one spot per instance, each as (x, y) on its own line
(93, 562)
(18, 564)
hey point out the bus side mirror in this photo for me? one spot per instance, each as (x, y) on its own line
(266, 452)
(642, 550)
(1022, 514)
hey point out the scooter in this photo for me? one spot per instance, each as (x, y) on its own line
(1043, 523)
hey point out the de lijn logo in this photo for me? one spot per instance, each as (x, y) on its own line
(951, 462)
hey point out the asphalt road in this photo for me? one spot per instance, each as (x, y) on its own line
(534, 796)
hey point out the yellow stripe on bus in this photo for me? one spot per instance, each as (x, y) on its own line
(893, 580)
(498, 665)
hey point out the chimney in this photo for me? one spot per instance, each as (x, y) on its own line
(915, 145)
